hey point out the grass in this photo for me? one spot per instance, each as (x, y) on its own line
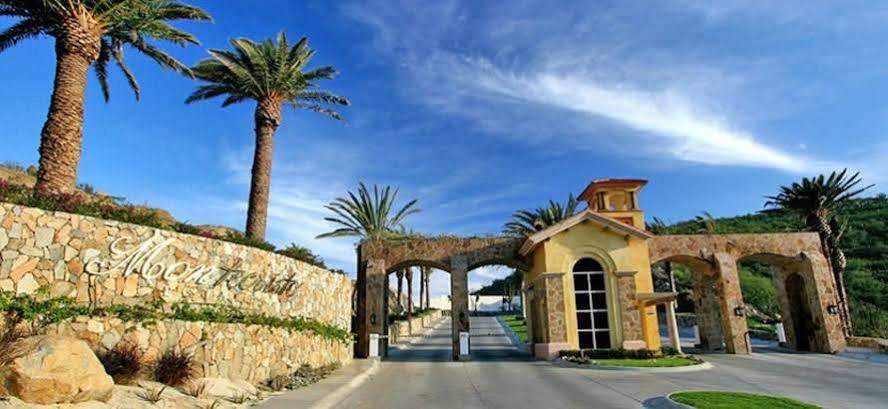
(664, 362)
(737, 400)
(518, 325)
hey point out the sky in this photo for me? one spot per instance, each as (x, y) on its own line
(481, 108)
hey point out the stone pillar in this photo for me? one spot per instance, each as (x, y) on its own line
(733, 326)
(630, 314)
(550, 289)
(705, 289)
(459, 300)
(821, 292)
(372, 313)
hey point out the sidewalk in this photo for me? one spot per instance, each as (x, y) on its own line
(331, 390)
(325, 393)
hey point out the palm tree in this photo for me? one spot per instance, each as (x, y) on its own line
(527, 222)
(816, 200)
(90, 33)
(369, 216)
(707, 223)
(409, 275)
(400, 275)
(428, 276)
(272, 75)
(422, 279)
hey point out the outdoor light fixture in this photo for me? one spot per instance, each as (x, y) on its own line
(739, 311)
(832, 309)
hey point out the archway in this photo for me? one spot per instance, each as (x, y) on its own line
(800, 314)
(698, 301)
(455, 255)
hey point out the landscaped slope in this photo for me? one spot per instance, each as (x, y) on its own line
(865, 243)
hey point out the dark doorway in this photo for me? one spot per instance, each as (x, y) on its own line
(801, 314)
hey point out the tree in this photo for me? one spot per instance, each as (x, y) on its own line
(707, 224)
(422, 274)
(400, 275)
(90, 33)
(273, 75)
(409, 275)
(527, 222)
(816, 200)
(428, 277)
(369, 216)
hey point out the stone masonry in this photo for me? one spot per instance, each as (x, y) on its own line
(101, 262)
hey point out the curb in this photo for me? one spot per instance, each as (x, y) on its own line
(332, 399)
(516, 342)
(664, 402)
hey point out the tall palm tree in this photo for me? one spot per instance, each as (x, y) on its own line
(816, 200)
(273, 75)
(428, 276)
(369, 216)
(422, 279)
(408, 273)
(527, 222)
(400, 275)
(90, 33)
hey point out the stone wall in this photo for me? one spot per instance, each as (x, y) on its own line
(253, 353)
(101, 262)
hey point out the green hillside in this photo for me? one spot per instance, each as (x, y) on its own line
(865, 243)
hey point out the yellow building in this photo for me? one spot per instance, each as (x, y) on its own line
(596, 265)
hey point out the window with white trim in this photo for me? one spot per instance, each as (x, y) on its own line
(590, 295)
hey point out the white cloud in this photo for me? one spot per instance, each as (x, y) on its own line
(555, 83)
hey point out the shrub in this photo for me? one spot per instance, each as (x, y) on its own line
(123, 363)
(9, 338)
(609, 354)
(152, 395)
(238, 238)
(174, 368)
(668, 351)
(303, 254)
(186, 228)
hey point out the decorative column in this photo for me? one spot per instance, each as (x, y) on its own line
(705, 290)
(822, 297)
(459, 299)
(674, 339)
(374, 314)
(733, 315)
(630, 313)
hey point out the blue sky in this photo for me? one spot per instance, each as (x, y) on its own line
(478, 109)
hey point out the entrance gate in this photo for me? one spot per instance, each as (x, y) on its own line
(456, 256)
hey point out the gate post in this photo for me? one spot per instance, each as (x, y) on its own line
(371, 308)
(733, 314)
(459, 296)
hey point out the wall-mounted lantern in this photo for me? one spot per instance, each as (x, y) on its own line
(832, 309)
(740, 311)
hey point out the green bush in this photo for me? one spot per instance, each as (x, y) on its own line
(44, 312)
(609, 354)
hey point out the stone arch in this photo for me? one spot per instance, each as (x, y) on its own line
(452, 254)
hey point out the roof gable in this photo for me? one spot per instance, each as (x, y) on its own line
(609, 224)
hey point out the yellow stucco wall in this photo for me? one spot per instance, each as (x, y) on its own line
(616, 253)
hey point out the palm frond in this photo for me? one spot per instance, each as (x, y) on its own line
(369, 214)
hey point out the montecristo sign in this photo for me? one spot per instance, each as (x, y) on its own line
(127, 258)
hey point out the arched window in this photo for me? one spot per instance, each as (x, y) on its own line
(591, 300)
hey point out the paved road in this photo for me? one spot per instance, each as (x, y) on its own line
(421, 375)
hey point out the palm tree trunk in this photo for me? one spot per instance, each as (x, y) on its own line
(77, 46)
(836, 259)
(400, 275)
(409, 276)
(267, 119)
(421, 287)
(428, 279)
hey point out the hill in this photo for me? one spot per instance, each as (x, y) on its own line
(865, 243)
